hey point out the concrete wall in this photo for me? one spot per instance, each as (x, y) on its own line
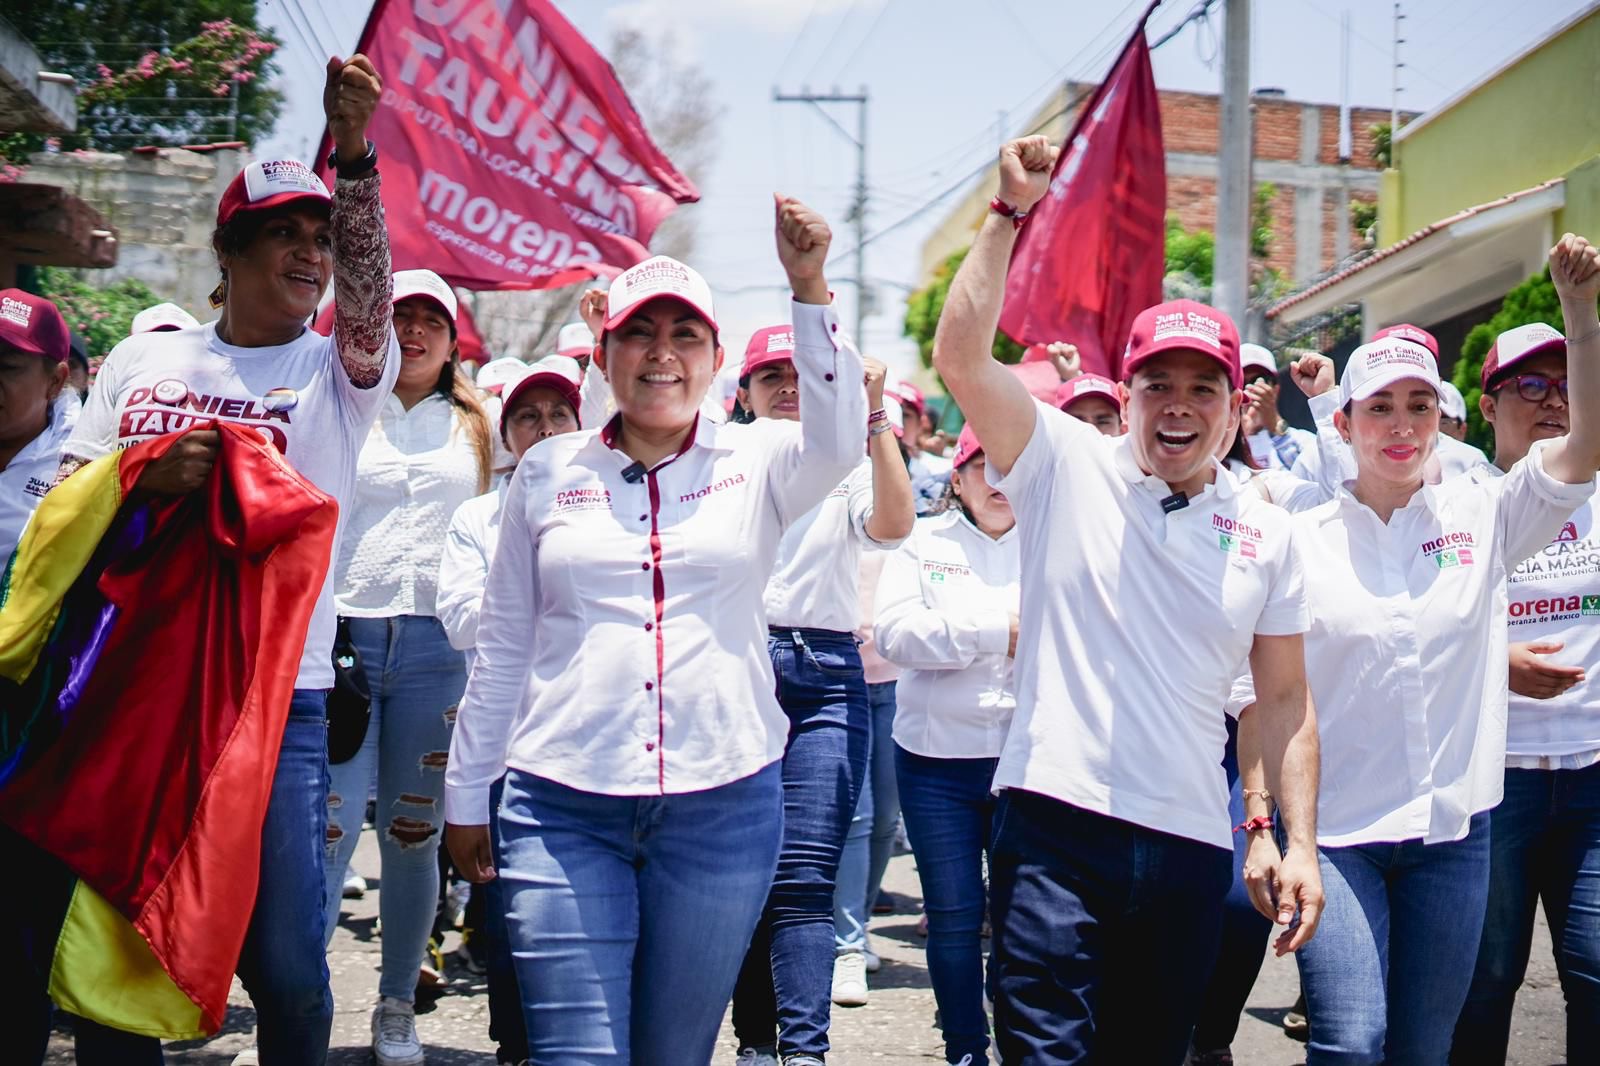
(1534, 120)
(163, 205)
(1296, 149)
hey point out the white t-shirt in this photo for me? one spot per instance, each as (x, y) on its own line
(1406, 656)
(944, 608)
(416, 467)
(31, 472)
(297, 395)
(814, 585)
(1133, 625)
(469, 546)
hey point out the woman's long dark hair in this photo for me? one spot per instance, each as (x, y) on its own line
(454, 385)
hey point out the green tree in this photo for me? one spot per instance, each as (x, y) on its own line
(154, 71)
(924, 306)
(1534, 300)
(1190, 252)
(1382, 144)
(101, 316)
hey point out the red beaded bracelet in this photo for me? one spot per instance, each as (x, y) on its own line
(1254, 824)
(1005, 210)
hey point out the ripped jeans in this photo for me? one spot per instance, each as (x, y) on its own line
(416, 680)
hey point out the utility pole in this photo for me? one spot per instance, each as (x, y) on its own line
(858, 210)
(1231, 281)
(1394, 82)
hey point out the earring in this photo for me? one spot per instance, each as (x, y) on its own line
(219, 294)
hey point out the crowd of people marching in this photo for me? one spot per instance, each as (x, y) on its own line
(1147, 673)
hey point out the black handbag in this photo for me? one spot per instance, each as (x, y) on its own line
(350, 702)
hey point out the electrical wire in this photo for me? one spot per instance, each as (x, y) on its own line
(827, 49)
(882, 11)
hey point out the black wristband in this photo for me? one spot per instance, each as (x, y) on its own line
(360, 168)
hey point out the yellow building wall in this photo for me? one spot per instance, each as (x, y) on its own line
(1536, 120)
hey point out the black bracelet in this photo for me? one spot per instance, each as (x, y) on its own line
(360, 168)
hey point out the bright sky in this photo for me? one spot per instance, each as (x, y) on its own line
(943, 76)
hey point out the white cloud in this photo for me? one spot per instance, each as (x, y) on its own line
(773, 16)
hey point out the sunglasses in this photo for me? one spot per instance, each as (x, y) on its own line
(1535, 388)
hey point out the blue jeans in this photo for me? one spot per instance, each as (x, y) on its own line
(950, 816)
(1544, 844)
(628, 916)
(416, 679)
(283, 963)
(1244, 931)
(1388, 970)
(870, 842)
(785, 987)
(1104, 933)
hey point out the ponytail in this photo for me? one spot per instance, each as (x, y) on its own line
(455, 386)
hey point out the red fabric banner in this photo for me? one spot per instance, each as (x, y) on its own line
(1093, 251)
(511, 157)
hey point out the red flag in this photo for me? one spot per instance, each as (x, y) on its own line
(1093, 251)
(511, 156)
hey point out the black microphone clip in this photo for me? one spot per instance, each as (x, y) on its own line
(1176, 502)
(634, 473)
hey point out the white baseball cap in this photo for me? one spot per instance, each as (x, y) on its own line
(494, 375)
(1254, 355)
(409, 283)
(575, 340)
(661, 276)
(1374, 367)
(1451, 403)
(162, 317)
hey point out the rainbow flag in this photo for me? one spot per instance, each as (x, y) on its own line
(148, 653)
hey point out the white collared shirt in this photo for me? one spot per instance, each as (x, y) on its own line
(944, 608)
(469, 546)
(1406, 656)
(815, 584)
(31, 472)
(622, 645)
(1133, 625)
(416, 467)
(1554, 596)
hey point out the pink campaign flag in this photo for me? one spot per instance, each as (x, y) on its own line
(1093, 251)
(511, 157)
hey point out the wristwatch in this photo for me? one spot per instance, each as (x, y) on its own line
(360, 168)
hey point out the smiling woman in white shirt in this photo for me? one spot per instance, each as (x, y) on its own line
(1406, 660)
(623, 681)
(1544, 837)
(947, 615)
(428, 453)
(781, 1005)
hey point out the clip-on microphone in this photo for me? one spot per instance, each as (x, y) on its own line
(1176, 502)
(634, 473)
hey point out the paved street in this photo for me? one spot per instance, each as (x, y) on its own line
(896, 1029)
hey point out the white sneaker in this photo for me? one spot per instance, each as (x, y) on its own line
(247, 1058)
(850, 980)
(874, 964)
(394, 1034)
(355, 886)
(751, 1057)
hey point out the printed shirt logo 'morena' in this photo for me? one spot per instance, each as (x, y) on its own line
(1553, 608)
(1236, 537)
(939, 573)
(715, 486)
(1449, 550)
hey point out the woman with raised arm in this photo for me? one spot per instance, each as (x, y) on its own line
(1407, 664)
(622, 682)
(280, 240)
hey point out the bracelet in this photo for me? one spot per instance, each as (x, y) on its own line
(880, 415)
(359, 169)
(1266, 796)
(1005, 210)
(882, 427)
(1586, 336)
(1254, 825)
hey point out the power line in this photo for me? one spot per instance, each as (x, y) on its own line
(882, 11)
(795, 43)
(838, 28)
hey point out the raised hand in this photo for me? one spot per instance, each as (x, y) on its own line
(349, 99)
(803, 238)
(1025, 166)
(1313, 372)
(1575, 270)
(592, 309)
(1068, 362)
(876, 374)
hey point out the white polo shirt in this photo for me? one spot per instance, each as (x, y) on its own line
(1133, 625)
(815, 584)
(1406, 656)
(944, 607)
(469, 546)
(1554, 595)
(31, 472)
(622, 644)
